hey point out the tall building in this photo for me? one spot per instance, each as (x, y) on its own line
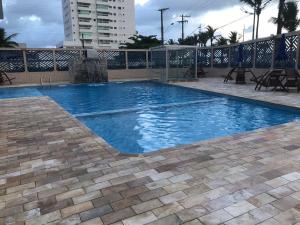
(99, 23)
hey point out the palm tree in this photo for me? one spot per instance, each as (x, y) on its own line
(280, 11)
(222, 41)
(233, 37)
(289, 17)
(211, 34)
(258, 6)
(203, 39)
(6, 41)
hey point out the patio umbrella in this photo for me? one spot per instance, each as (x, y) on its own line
(281, 55)
(240, 58)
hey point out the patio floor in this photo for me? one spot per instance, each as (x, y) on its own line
(53, 170)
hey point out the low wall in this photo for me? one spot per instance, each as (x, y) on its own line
(64, 77)
(222, 72)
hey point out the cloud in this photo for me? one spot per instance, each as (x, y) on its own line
(40, 23)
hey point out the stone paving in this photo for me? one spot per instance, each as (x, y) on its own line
(53, 170)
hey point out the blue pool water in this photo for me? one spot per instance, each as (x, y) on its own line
(139, 117)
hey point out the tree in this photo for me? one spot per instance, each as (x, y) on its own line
(211, 34)
(222, 41)
(280, 16)
(289, 17)
(203, 39)
(189, 40)
(142, 42)
(6, 41)
(233, 37)
(258, 6)
(171, 42)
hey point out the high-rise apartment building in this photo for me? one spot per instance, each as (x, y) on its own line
(99, 23)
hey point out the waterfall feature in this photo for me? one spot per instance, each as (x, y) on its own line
(89, 69)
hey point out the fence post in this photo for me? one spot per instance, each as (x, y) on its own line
(25, 60)
(297, 52)
(147, 59)
(126, 59)
(196, 62)
(254, 54)
(273, 53)
(212, 58)
(54, 60)
(229, 57)
(167, 65)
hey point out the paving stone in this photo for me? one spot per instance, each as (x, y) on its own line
(117, 216)
(147, 206)
(193, 222)
(277, 182)
(156, 193)
(69, 194)
(114, 197)
(169, 220)
(180, 178)
(96, 221)
(292, 176)
(280, 192)
(95, 212)
(288, 217)
(140, 219)
(285, 203)
(66, 212)
(174, 197)
(239, 208)
(167, 210)
(192, 213)
(261, 200)
(87, 197)
(216, 217)
(125, 203)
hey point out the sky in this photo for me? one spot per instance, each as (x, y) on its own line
(39, 23)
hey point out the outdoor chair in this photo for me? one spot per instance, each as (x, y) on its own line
(229, 75)
(240, 76)
(190, 73)
(5, 78)
(271, 78)
(292, 79)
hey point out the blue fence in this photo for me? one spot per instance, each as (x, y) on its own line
(256, 54)
(45, 60)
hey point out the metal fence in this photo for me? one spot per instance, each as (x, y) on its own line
(45, 60)
(256, 54)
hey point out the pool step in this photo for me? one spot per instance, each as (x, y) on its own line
(142, 108)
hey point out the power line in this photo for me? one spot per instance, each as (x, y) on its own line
(225, 25)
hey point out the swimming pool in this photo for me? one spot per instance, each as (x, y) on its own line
(140, 117)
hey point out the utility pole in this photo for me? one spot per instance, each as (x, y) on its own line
(200, 31)
(1, 10)
(279, 17)
(162, 24)
(183, 21)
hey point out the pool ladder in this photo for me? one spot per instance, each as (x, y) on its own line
(43, 83)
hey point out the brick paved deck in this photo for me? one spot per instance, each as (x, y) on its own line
(53, 170)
